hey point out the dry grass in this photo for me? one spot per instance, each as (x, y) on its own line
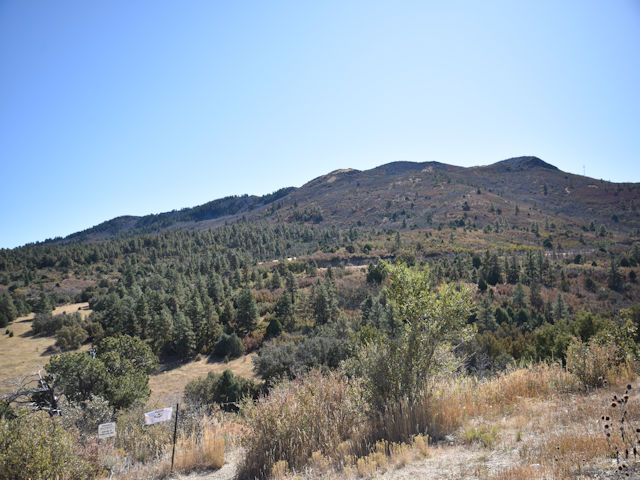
(530, 423)
(315, 413)
(455, 401)
(24, 354)
(524, 472)
(168, 385)
(200, 451)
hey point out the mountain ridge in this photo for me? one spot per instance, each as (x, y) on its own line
(405, 194)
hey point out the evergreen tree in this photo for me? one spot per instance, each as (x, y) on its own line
(323, 302)
(215, 288)
(560, 310)
(184, 341)
(614, 278)
(8, 311)
(512, 270)
(291, 285)
(247, 312)
(284, 311)
(228, 314)
(485, 315)
(535, 296)
(518, 298)
(274, 329)
(276, 281)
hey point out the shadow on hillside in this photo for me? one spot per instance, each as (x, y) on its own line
(170, 363)
(215, 359)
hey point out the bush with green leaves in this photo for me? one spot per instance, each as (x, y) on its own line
(35, 445)
(434, 322)
(287, 359)
(8, 311)
(225, 389)
(71, 337)
(229, 346)
(119, 372)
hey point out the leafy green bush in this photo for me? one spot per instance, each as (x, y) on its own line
(225, 389)
(274, 329)
(229, 346)
(278, 360)
(433, 320)
(119, 372)
(70, 337)
(37, 446)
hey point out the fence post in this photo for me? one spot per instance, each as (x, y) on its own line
(175, 433)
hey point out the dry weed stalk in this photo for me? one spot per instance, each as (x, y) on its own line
(623, 439)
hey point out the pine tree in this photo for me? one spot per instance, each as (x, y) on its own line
(518, 298)
(247, 312)
(485, 315)
(560, 310)
(276, 281)
(184, 342)
(291, 285)
(535, 296)
(284, 311)
(228, 314)
(323, 302)
(8, 311)
(614, 278)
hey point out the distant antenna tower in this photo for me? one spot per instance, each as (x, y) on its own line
(583, 174)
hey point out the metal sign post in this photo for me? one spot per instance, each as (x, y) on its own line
(175, 433)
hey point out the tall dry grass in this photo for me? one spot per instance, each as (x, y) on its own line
(323, 421)
(455, 400)
(315, 413)
(203, 450)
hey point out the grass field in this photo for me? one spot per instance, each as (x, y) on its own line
(167, 386)
(23, 354)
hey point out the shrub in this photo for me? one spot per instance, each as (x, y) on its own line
(591, 362)
(87, 415)
(225, 389)
(70, 337)
(274, 329)
(315, 413)
(229, 346)
(402, 366)
(119, 372)
(286, 359)
(37, 446)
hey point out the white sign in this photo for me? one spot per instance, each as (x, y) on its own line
(106, 430)
(162, 415)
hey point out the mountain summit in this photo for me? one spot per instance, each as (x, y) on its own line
(412, 195)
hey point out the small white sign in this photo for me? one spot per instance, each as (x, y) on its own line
(106, 430)
(162, 415)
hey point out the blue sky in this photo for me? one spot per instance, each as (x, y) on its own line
(121, 107)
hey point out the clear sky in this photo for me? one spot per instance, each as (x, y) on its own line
(123, 107)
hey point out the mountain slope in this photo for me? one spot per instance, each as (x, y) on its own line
(516, 191)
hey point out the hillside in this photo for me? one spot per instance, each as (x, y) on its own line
(293, 296)
(406, 194)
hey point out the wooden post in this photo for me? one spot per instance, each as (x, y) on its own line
(175, 434)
